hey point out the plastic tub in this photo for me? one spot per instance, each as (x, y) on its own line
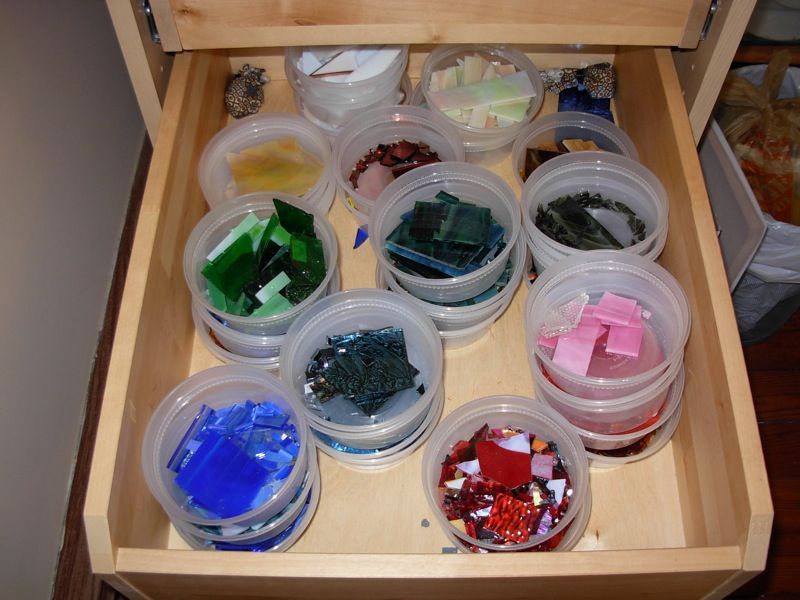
(469, 183)
(213, 228)
(614, 177)
(481, 139)
(505, 411)
(332, 103)
(552, 128)
(385, 125)
(362, 309)
(620, 413)
(628, 275)
(613, 441)
(379, 459)
(216, 387)
(214, 173)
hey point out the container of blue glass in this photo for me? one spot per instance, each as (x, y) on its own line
(470, 185)
(338, 422)
(227, 447)
(215, 226)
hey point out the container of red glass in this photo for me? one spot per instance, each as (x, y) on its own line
(507, 474)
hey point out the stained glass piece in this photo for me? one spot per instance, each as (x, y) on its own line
(465, 224)
(295, 220)
(507, 467)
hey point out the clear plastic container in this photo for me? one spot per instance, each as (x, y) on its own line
(613, 416)
(482, 139)
(549, 129)
(506, 411)
(614, 177)
(615, 441)
(365, 309)
(624, 274)
(213, 228)
(469, 183)
(385, 125)
(214, 173)
(332, 103)
(217, 387)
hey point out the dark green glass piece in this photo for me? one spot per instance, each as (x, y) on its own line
(295, 220)
(447, 198)
(444, 256)
(427, 219)
(465, 224)
(234, 268)
(308, 258)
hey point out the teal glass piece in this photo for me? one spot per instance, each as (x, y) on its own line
(426, 220)
(447, 257)
(447, 198)
(465, 224)
(234, 268)
(295, 220)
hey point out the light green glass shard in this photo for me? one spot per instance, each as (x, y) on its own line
(275, 285)
(275, 305)
(246, 224)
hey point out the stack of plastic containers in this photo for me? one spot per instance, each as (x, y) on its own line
(250, 133)
(211, 483)
(615, 178)
(329, 104)
(623, 395)
(386, 125)
(559, 440)
(340, 427)
(470, 184)
(481, 138)
(249, 340)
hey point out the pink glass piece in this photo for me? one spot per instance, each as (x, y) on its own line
(615, 310)
(548, 342)
(542, 466)
(624, 340)
(574, 348)
(374, 180)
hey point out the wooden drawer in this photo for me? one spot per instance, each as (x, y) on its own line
(691, 521)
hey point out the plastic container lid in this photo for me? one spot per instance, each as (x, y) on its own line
(469, 183)
(481, 139)
(549, 129)
(612, 176)
(364, 309)
(385, 125)
(506, 411)
(595, 273)
(213, 228)
(216, 387)
(214, 173)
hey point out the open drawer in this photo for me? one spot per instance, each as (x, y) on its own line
(691, 521)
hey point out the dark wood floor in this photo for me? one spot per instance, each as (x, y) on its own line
(773, 367)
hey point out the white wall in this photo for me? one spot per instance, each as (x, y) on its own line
(70, 134)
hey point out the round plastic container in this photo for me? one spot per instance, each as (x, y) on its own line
(364, 309)
(386, 125)
(505, 411)
(214, 173)
(624, 274)
(216, 387)
(469, 183)
(379, 459)
(614, 177)
(481, 139)
(550, 129)
(332, 103)
(615, 415)
(599, 441)
(283, 540)
(213, 228)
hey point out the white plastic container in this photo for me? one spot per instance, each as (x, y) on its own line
(614, 441)
(386, 125)
(213, 228)
(621, 273)
(214, 173)
(614, 177)
(217, 387)
(549, 129)
(469, 183)
(333, 103)
(505, 411)
(482, 139)
(365, 309)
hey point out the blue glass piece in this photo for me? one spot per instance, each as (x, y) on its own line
(271, 543)
(221, 477)
(361, 236)
(180, 454)
(577, 98)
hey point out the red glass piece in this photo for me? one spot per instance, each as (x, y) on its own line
(403, 150)
(511, 519)
(388, 160)
(510, 468)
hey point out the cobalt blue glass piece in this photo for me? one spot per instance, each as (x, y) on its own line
(578, 98)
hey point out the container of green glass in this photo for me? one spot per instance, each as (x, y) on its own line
(259, 261)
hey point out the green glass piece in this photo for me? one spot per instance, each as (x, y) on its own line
(275, 285)
(256, 234)
(237, 307)
(427, 219)
(308, 257)
(234, 268)
(274, 306)
(567, 221)
(465, 224)
(299, 289)
(433, 254)
(242, 228)
(280, 236)
(447, 198)
(295, 220)
(216, 296)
